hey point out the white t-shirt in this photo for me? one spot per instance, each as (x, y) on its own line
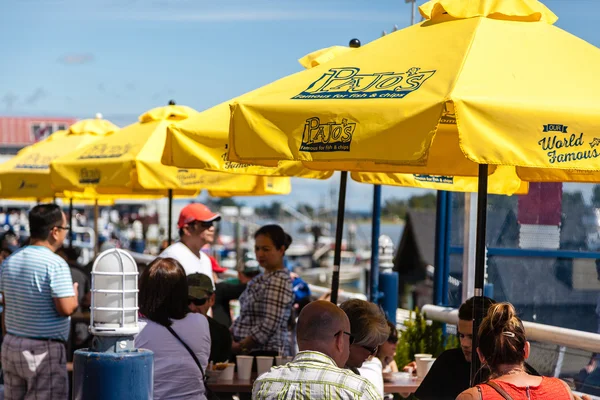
(176, 374)
(372, 370)
(192, 263)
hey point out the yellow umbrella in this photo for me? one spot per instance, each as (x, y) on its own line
(322, 56)
(27, 174)
(129, 162)
(492, 72)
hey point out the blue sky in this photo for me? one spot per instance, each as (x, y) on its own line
(122, 57)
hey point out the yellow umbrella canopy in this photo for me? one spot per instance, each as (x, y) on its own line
(27, 174)
(265, 186)
(488, 95)
(128, 162)
(201, 142)
(503, 181)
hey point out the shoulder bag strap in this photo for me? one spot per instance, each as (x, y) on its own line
(499, 389)
(209, 393)
(189, 351)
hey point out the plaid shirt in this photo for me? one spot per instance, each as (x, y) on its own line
(312, 375)
(265, 309)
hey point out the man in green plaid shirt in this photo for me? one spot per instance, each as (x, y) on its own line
(324, 340)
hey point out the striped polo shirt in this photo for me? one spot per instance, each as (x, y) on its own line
(30, 279)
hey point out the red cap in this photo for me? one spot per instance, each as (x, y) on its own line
(196, 212)
(215, 265)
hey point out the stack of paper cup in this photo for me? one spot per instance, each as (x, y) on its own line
(244, 366)
(263, 364)
(423, 366)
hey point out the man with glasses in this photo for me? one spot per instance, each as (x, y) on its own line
(38, 296)
(370, 329)
(317, 372)
(201, 297)
(196, 229)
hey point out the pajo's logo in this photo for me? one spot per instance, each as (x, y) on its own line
(99, 151)
(327, 137)
(562, 146)
(89, 176)
(349, 83)
(188, 177)
(27, 185)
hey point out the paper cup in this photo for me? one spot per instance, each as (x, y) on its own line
(423, 366)
(263, 364)
(244, 366)
(424, 355)
(227, 374)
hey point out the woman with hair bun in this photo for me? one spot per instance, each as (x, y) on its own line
(266, 304)
(503, 349)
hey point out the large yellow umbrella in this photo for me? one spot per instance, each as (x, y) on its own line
(26, 175)
(481, 82)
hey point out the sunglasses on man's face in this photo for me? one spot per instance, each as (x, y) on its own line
(63, 228)
(197, 302)
(202, 224)
(371, 350)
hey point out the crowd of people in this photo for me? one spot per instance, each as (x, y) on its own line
(339, 352)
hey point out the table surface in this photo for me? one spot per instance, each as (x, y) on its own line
(401, 383)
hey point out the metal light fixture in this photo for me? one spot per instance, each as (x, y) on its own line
(113, 368)
(114, 310)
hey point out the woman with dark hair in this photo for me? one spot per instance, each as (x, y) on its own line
(266, 304)
(503, 349)
(165, 325)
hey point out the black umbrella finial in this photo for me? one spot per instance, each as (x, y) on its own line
(354, 43)
(172, 102)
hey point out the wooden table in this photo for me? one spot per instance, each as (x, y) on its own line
(401, 384)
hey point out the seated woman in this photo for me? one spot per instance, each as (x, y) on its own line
(503, 348)
(266, 304)
(163, 302)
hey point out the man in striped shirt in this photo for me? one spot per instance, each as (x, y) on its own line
(38, 296)
(324, 341)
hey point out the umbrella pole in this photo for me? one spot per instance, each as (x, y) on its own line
(96, 238)
(479, 265)
(339, 233)
(375, 231)
(71, 223)
(170, 218)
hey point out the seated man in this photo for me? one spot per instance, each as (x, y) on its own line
(450, 374)
(324, 341)
(201, 297)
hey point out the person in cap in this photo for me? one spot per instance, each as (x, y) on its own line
(201, 297)
(196, 229)
(232, 289)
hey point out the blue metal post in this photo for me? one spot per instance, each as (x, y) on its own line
(112, 376)
(440, 248)
(374, 293)
(448, 230)
(388, 281)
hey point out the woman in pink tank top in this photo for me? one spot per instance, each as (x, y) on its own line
(503, 349)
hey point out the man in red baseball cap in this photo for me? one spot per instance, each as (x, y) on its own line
(196, 229)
